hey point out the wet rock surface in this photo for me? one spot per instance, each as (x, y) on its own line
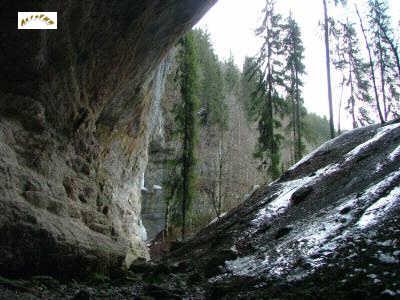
(341, 241)
(309, 234)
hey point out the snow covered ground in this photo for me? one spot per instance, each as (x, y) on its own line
(312, 241)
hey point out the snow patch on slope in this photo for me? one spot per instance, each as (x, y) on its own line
(313, 242)
(326, 145)
(381, 133)
(288, 188)
(380, 208)
(394, 154)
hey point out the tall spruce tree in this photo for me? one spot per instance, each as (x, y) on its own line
(386, 54)
(354, 71)
(251, 80)
(371, 66)
(270, 71)
(232, 75)
(211, 82)
(187, 127)
(294, 70)
(379, 15)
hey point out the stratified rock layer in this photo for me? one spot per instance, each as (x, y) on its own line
(74, 108)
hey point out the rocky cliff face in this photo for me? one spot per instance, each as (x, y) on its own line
(74, 108)
(153, 191)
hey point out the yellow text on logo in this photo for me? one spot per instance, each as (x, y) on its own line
(41, 17)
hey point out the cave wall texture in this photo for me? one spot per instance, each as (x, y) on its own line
(74, 127)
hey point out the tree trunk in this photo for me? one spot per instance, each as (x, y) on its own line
(371, 65)
(328, 70)
(220, 158)
(298, 121)
(185, 182)
(294, 118)
(340, 107)
(166, 215)
(272, 142)
(352, 99)
(382, 69)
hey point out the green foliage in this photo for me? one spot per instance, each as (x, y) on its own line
(316, 129)
(231, 75)
(98, 278)
(265, 102)
(294, 70)
(153, 278)
(204, 85)
(181, 186)
(211, 82)
(251, 89)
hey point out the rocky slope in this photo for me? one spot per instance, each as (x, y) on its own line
(329, 225)
(74, 126)
(328, 228)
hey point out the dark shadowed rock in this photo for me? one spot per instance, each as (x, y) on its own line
(300, 195)
(282, 232)
(345, 210)
(82, 295)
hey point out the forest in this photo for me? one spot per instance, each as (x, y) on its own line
(212, 123)
(263, 100)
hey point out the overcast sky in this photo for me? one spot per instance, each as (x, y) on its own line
(231, 24)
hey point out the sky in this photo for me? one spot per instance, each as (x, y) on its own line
(231, 24)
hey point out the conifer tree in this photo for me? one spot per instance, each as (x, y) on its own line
(232, 75)
(251, 81)
(211, 82)
(187, 131)
(294, 69)
(377, 15)
(188, 123)
(268, 68)
(371, 67)
(385, 52)
(214, 109)
(354, 71)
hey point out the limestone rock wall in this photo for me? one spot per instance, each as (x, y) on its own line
(153, 198)
(75, 112)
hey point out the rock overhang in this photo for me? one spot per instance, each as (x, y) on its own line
(74, 105)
